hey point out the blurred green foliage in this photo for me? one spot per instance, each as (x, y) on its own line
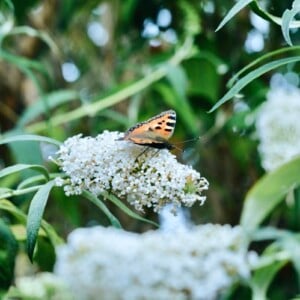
(8, 252)
(69, 67)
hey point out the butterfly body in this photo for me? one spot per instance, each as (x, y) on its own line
(154, 132)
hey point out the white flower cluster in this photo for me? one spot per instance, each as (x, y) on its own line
(40, 287)
(278, 127)
(152, 179)
(198, 264)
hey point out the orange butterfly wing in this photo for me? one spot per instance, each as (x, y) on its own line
(154, 132)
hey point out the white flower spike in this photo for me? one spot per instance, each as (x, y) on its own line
(278, 127)
(197, 264)
(105, 164)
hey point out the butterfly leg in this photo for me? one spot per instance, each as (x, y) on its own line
(143, 152)
(154, 153)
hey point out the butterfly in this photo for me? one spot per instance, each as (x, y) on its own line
(154, 132)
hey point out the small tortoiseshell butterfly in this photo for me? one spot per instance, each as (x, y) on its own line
(154, 132)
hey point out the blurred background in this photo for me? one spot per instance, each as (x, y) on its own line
(100, 47)
(70, 67)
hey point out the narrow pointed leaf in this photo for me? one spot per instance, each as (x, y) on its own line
(3, 191)
(239, 85)
(21, 167)
(31, 181)
(9, 207)
(41, 34)
(35, 214)
(291, 244)
(24, 63)
(127, 210)
(262, 278)
(49, 101)
(35, 180)
(233, 11)
(258, 8)
(8, 251)
(260, 60)
(268, 192)
(113, 220)
(28, 137)
(287, 18)
(269, 233)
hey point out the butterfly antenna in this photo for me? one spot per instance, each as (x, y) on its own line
(190, 140)
(175, 147)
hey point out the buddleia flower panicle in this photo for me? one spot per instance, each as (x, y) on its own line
(40, 286)
(198, 263)
(278, 127)
(106, 164)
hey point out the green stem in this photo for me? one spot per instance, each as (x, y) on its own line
(92, 108)
(20, 192)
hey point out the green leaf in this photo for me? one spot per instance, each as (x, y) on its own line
(180, 104)
(27, 153)
(191, 20)
(204, 67)
(128, 12)
(9, 5)
(126, 210)
(28, 137)
(4, 191)
(49, 101)
(268, 192)
(177, 77)
(24, 63)
(94, 199)
(233, 11)
(22, 218)
(20, 167)
(6, 18)
(261, 59)
(41, 34)
(12, 209)
(35, 214)
(27, 66)
(276, 256)
(260, 11)
(291, 244)
(287, 18)
(8, 252)
(31, 181)
(239, 85)
(269, 233)
(25, 148)
(263, 277)
(34, 180)
(178, 80)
